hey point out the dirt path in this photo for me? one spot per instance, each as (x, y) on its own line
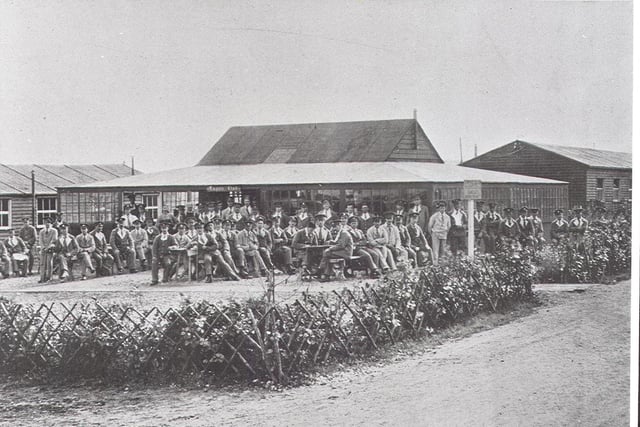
(566, 364)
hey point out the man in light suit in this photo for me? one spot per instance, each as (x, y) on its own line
(86, 247)
(48, 237)
(140, 243)
(246, 210)
(66, 250)
(122, 245)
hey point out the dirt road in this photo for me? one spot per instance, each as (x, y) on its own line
(567, 364)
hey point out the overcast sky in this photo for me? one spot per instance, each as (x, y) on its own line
(99, 82)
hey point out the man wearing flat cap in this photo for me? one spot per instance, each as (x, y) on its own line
(538, 228)
(365, 220)
(525, 228)
(279, 216)
(341, 247)
(66, 250)
(491, 224)
(86, 248)
(303, 239)
(378, 239)
(508, 232)
(140, 243)
(101, 255)
(577, 228)
(122, 247)
(458, 231)
(322, 234)
(303, 215)
(422, 211)
(29, 235)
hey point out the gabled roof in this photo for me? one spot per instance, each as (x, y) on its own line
(16, 179)
(257, 175)
(589, 156)
(365, 141)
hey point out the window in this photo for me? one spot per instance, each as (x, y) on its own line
(616, 189)
(5, 214)
(188, 199)
(151, 203)
(599, 189)
(47, 207)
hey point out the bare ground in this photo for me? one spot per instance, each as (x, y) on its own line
(566, 364)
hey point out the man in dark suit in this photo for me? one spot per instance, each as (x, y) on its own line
(303, 216)
(365, 220)
(327, 211)
(301, 241)
(422, 211)
(122, 245)
(491, 223)
(559, 228)
(29, 236)
(458, 231)
(279, 216)
(525, 228)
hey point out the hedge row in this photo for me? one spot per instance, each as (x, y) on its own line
(252, 339)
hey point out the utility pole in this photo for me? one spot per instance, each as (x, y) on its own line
(461, 150)
(33, 199)
(133, 171)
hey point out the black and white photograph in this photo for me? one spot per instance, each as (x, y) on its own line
(317, 213)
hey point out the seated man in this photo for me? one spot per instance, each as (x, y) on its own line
(341, 247)
(405, 238)
(161, 254)
(394, 243)
(86, 247)
(101, 255)
(18, 251)
(122, 247)
(225, 239)
(209, 252)
(29, 236)
(180, 251)
(301, 241)
(418, 241)
(265, 244)
(369, 256)
(5, 261)
(377, 238)
(65, 250)
(248, 249)
(281, 248)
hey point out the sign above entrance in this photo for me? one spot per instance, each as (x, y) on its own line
(221, 188)
(472, 190)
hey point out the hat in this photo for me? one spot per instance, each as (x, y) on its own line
(578, 208)
(523, 209)
(84, 226)
(121, 219)
(294, 219)
(363, 204)
(148, 219)
(164, 224)
(396, 216)
(492, 205)
(456, 200)
(142, 205)
(558, 211)
(63, 225)
(480, 202)
(303, 205)
(226, 221)
(343, 216)
(415, 214)
(260, 218)
(136, 221)
(181, 225)
(389, 215)
(377, 218)
(507, 210)
(400, 203)
(311, 224)
(236, 204)
(207, 223)
(216, 219)
(249, 221)
(535, 210)
(277, 204)
(440, 204)
(416, 197)
(99, 223)
(320, 216)
(353, 219)
(601, 209)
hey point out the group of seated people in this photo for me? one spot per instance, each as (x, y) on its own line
(238, 242)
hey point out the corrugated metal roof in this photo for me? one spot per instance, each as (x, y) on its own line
(589, 156)
(365, 141)
(16, 179)
(270, 174)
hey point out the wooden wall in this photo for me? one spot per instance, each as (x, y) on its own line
(408, 150)
(608, 175)
(20, 207)
(524, 159)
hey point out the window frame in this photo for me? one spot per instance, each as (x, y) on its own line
(7, 213)
(49, 211)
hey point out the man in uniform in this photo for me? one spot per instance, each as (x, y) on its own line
(378, 239)
(5, 261)
(538, 228)
(247, 209)
(491, 224)
(48, 238)
(303, 216)
(301, 241)
(166, 217)
(281, 248)
(322, 234)
(458, 231)
(508, 230)
(400, 211)
(418, 240)
(478, 226)
(405, 239)
(600, 219)
(152, 231)
(226, 212)
(525, 228)
(422, 211)
(122, 246)
(341, 247)
(369, 256)
(140, 243)
(577, 228)
(209, 252)
(182, 242)
(327, 211)
(279, 216)
(394, 244)
(438, 227)
(559, 228)
(161, 254)
(66, 250)
(290, 231)
(86, 248)
(104, 260)
(236, 217)
(227, 239)
(365, 219)
(265, 244)
(18, 251)
(247, 245)
(29, 236)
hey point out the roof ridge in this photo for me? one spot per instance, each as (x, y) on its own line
(320, 123)
(575, 147)
(27, 176)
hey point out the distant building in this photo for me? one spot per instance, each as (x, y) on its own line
(593, 175)
(16, 198)
(376, 162)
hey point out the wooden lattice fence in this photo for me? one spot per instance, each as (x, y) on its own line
(250, 339)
